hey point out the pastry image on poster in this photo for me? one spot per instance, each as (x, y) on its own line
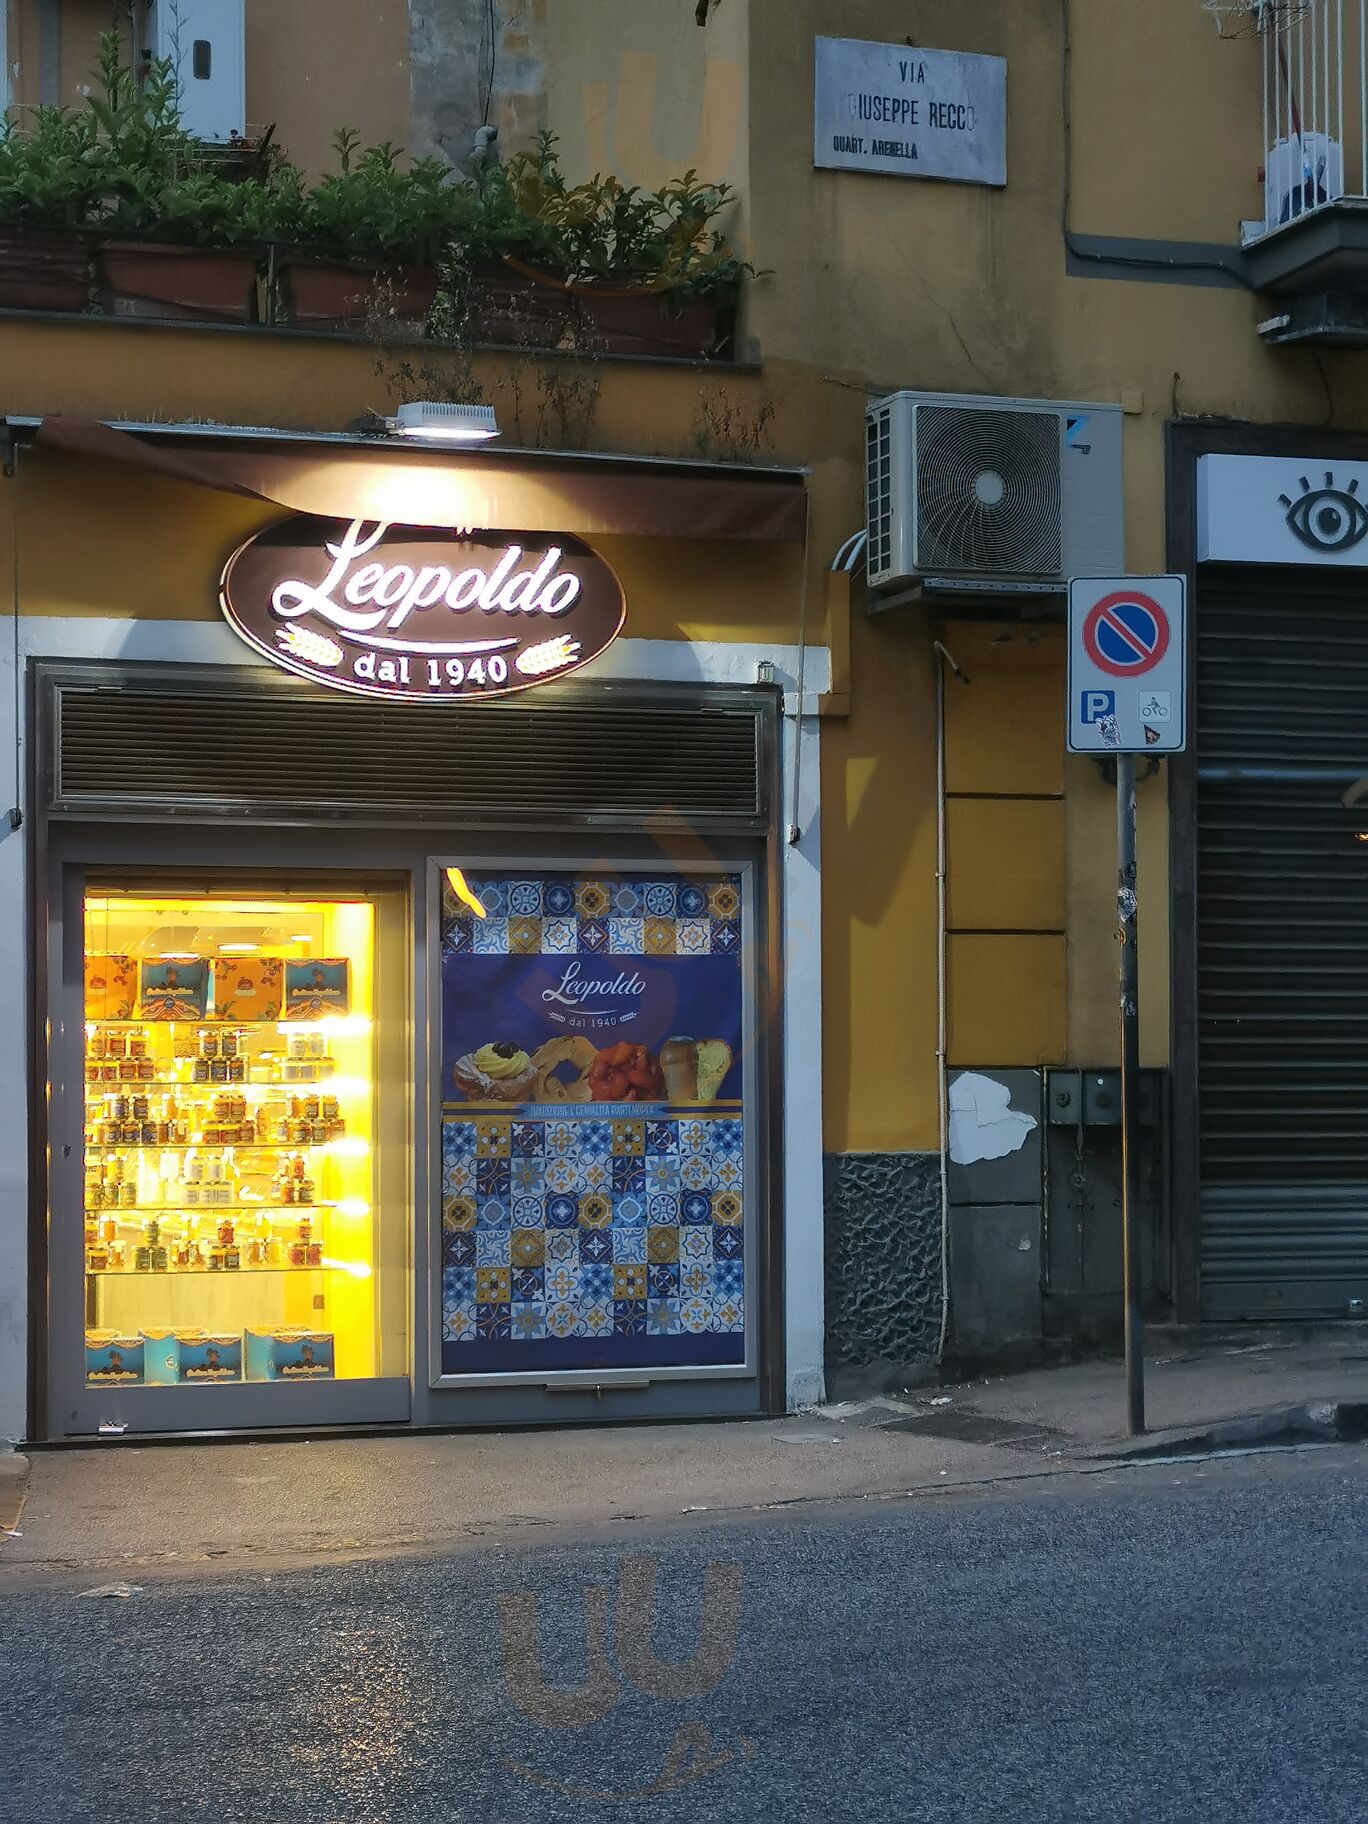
(174, 990)
(248, 988)
(317, 985)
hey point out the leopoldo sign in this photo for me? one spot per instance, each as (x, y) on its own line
(417, 613)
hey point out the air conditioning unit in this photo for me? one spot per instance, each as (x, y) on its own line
(205, 41)
(967, 494)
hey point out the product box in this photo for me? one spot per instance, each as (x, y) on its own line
(113, 1360)
(161, 1358)
(173, 991)
(111, 987)
(290, 1355)
(317, 985)
(209, 1359)
(248, 988)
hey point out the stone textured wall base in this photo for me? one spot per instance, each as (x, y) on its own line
(883, 1269)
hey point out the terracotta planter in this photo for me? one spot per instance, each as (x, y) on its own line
(44, 269)
(157, 279)
(510, 307)
(513, 305)
(330, 294)
(643, 323)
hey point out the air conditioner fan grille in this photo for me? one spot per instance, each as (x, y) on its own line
(988, 492)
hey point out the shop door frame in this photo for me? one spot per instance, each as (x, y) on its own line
(74, 1410)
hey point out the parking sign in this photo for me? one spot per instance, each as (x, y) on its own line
(1127, 665)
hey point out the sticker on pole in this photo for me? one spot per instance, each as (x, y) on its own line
(1127, 665)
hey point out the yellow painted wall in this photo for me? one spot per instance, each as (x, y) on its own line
(316, 65)
(648, 94)
(876, 282)
(153, 549)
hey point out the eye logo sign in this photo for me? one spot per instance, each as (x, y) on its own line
(420, 613)
(1326, 518)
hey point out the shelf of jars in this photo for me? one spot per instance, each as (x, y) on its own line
(205, 1146)
(228, 1138)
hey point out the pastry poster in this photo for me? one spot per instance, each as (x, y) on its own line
(593, 1207)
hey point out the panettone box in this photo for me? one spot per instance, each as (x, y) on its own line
(111, 987)
(161, 1358)
(174, 990)
(290, 1355)
(113, 1360)
(206, 1360)
(248, 988)
(317, 985)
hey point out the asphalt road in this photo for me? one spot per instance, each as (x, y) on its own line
(1161, 1645)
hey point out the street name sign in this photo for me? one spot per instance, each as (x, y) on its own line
(907, 112)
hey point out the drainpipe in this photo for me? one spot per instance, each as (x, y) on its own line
(943, 659)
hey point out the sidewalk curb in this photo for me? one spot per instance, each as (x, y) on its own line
(1313, 1422)
(14, 1476)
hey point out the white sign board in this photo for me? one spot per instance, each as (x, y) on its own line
(1127, 665)
(1282, 510)
(910, 113)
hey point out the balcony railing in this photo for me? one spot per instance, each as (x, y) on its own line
(1315, 106)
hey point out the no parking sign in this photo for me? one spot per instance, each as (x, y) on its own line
(1127, 665)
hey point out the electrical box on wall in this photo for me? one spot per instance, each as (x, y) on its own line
(205, 41)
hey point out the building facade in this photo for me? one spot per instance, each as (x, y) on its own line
(817, 808)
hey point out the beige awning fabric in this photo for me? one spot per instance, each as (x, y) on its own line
(342, 479)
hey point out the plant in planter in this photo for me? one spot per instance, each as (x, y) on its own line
(636, 271)
(371, 236)
(179, 241)
(50, 188)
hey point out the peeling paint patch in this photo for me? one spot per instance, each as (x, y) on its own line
(983, 1123)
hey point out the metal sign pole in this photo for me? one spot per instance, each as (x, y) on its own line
(1126, 907)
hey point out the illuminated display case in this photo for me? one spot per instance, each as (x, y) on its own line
(234, 1209)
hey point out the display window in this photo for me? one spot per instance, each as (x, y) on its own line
(595, 1203)
(238, 1225)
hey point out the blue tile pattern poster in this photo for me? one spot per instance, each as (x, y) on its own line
(593, 1194)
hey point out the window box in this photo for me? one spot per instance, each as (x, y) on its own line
(158, 279)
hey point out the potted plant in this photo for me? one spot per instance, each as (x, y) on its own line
(600, 264)
(49, 195)
(371, 235)
(179, 240)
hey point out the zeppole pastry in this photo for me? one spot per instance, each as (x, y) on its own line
(497, 1072)
(714, 1061)
(576, 1052)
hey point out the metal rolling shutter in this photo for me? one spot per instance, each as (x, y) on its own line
(221, 748)
(1282, 942)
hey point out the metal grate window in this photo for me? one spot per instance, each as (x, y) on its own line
(1282, 936)
(595, 755)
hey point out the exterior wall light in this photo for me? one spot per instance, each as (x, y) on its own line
(430, 422)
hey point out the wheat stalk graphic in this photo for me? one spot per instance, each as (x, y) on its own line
(549, 655)
(317, 648)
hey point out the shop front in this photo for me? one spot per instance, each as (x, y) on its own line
(1271, 878)
(409, 938)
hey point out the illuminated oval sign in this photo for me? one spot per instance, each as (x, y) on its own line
(414, 612)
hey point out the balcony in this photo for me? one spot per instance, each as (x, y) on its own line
(1309, 250)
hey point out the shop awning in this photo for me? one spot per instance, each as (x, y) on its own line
(353, 476)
